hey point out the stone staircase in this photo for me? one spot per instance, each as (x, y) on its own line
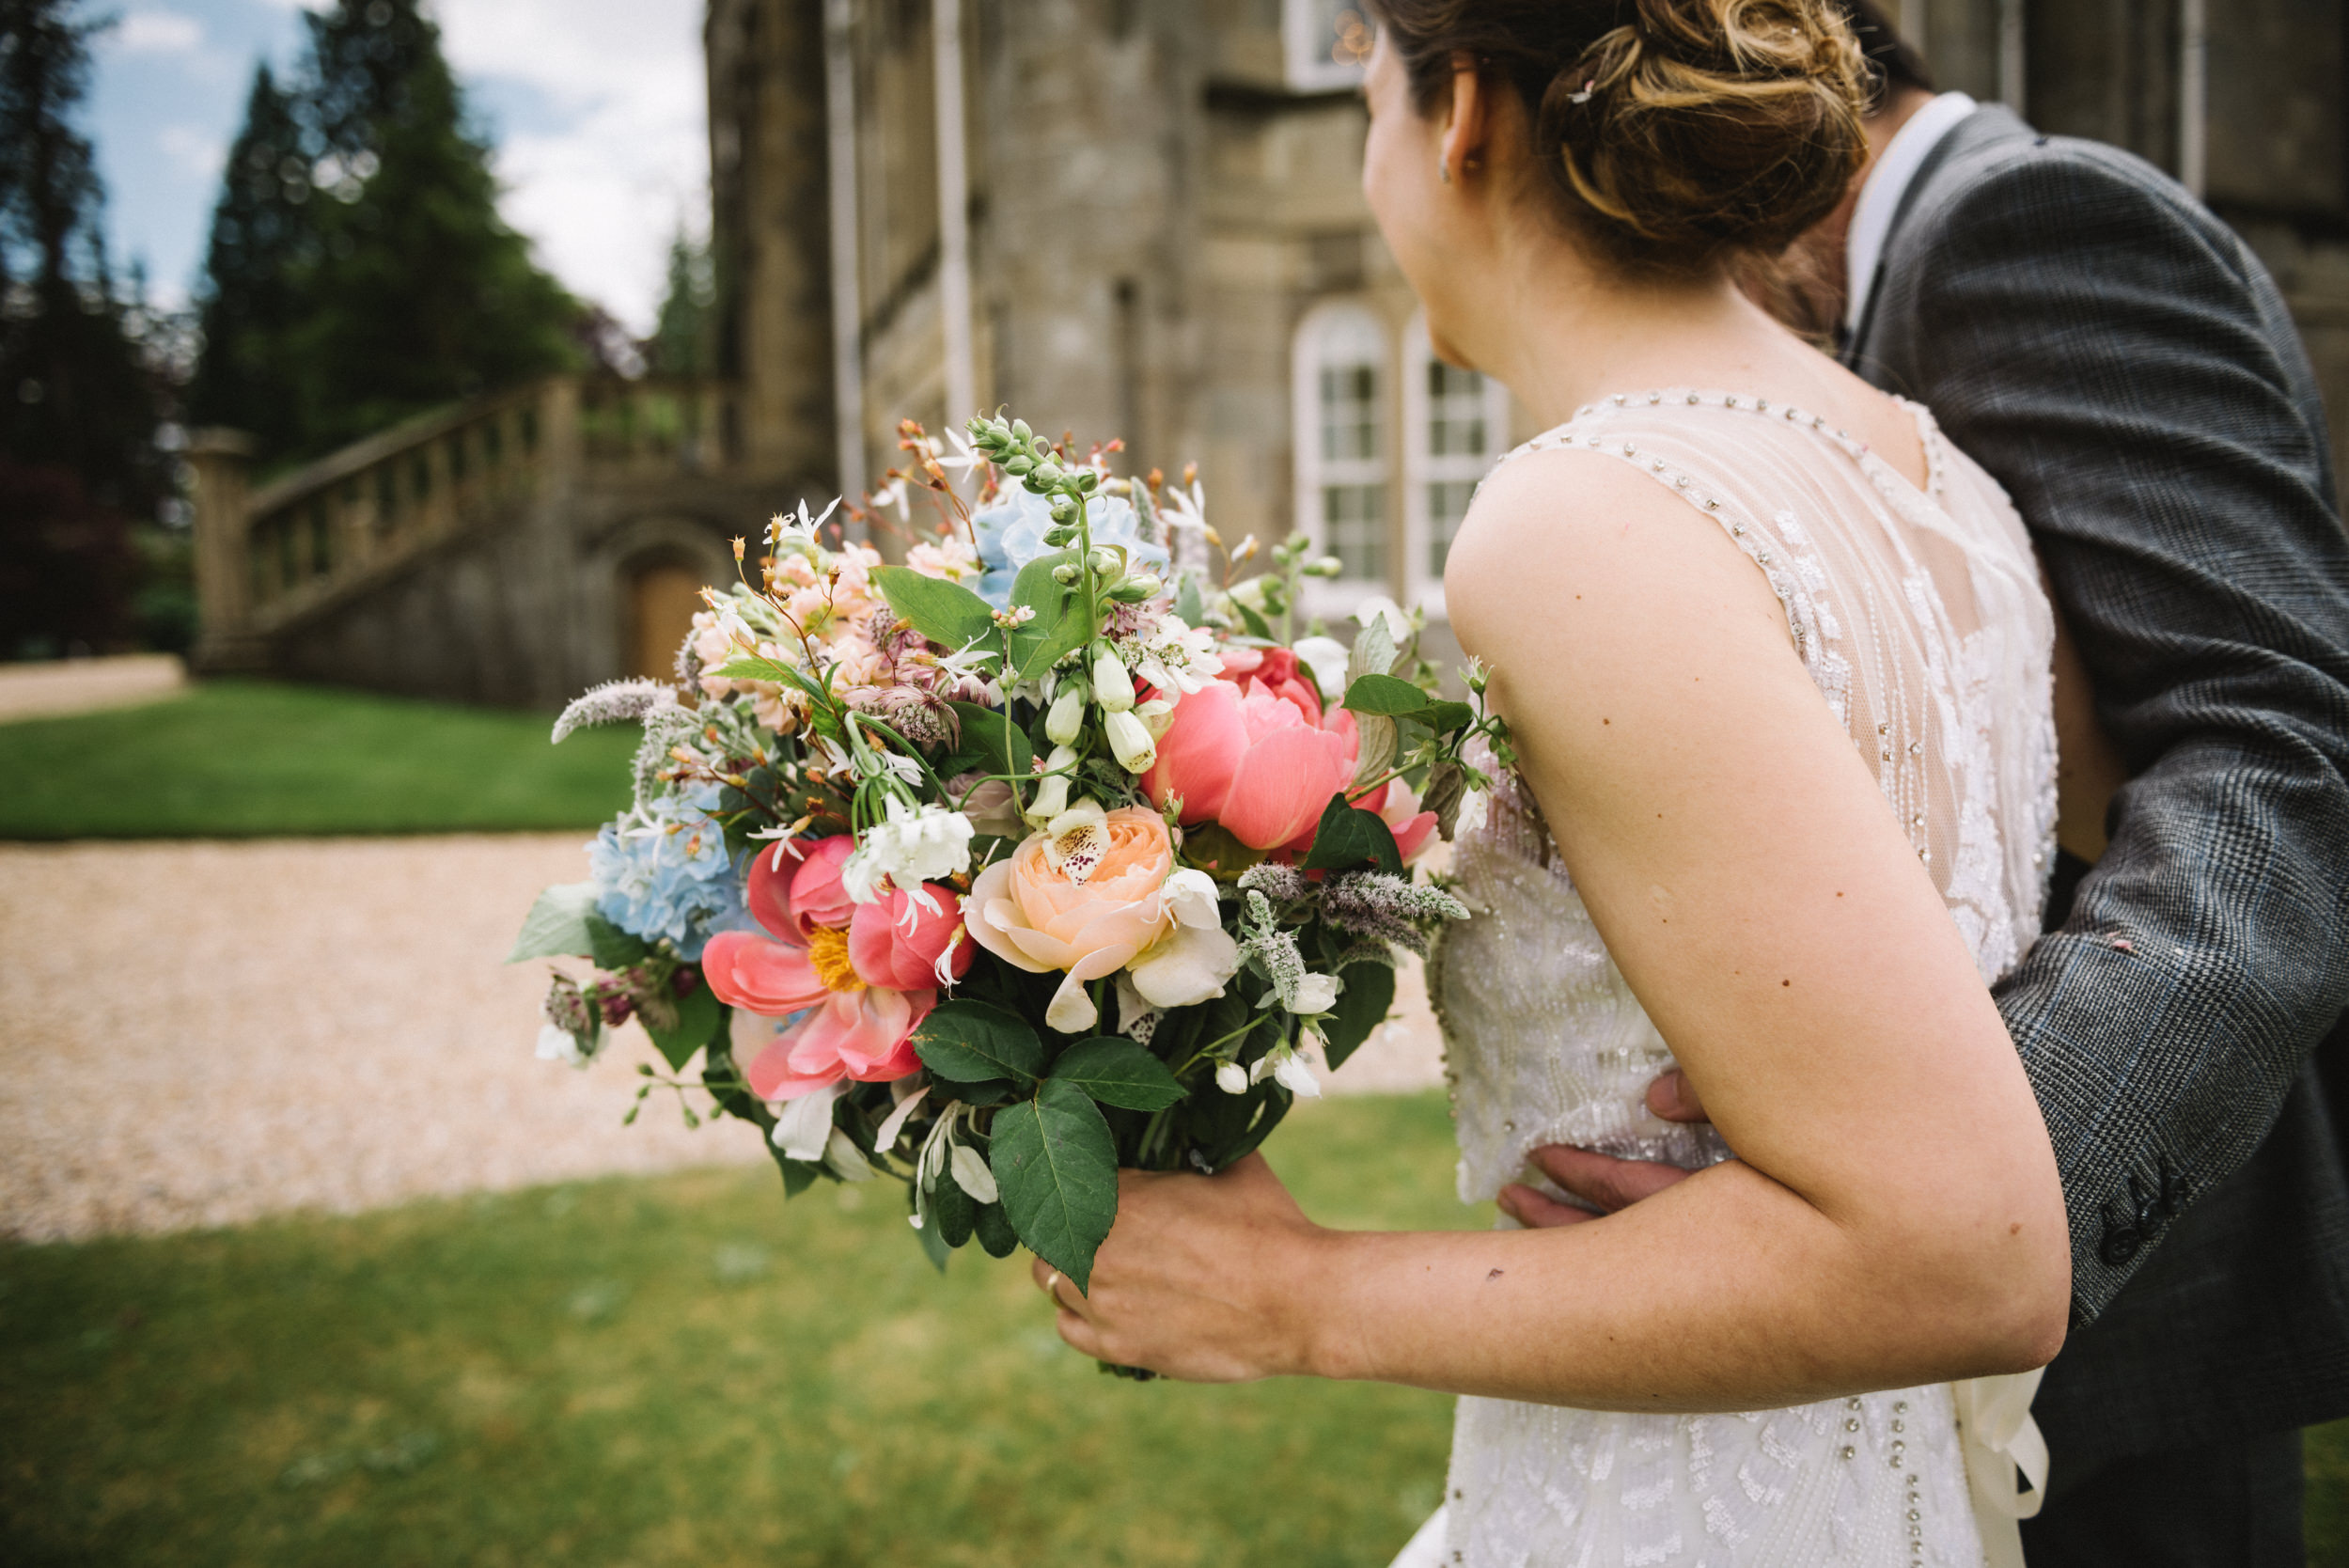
(511, 549)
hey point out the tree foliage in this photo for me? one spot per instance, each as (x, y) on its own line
(359, 272)
(81, 398)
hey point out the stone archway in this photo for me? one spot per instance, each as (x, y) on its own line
(639, 588)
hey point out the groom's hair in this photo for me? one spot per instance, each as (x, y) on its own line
(1893, 60)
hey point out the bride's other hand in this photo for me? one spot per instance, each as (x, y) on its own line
(1207, 1278)
(1602, 1181)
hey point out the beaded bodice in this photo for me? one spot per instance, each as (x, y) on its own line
(1920, 615)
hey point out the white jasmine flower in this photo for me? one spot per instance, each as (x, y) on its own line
(1326, 658)
(1232, 1079)
(1067, 715)
(1113, 687)
(1379, 608)
(917, 844)
(1296, 1077)
(1132, 742)
(1188, 965)
(1474, 807)
(796, 531)
(971, 1174)
(803, 1126)
(1315, 993)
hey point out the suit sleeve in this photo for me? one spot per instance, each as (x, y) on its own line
(2109, 353)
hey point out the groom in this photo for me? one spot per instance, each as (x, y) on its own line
(2117, 359)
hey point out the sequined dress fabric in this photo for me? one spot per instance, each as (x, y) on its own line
(1920, 618)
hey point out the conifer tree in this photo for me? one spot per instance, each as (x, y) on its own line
(681, 343)
(262, 241)
(420, 293)
(79, 400)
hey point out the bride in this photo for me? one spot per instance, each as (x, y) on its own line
(1778, 661)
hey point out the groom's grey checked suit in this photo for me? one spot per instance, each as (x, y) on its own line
(2114, 356)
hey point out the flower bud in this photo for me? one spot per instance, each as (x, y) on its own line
(1113, 688)
(1328, 566)
(1133, 590)
(1065, 573)
(1250, 592)
(1020, 429)
(1067, 715)
(1061, 537)
(1105, 561)
(1048, 473)
(1051, 794)
(1232, 1079)
(1131, 740)
(1019, 465)
(1086, 479)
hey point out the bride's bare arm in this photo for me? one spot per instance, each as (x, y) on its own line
(1895, 1215)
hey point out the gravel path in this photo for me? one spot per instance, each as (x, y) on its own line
(78, 685)
(197, 1034)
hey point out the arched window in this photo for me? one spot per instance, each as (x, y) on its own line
(1326, 42)
(1341, 367)
(1455, 424)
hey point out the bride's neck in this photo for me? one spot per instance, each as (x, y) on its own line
(1561, 333)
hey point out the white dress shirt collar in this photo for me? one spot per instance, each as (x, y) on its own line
(1887, 183)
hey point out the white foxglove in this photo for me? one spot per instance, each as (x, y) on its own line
(1130, 739)
(1066, 715)
(1113, 687)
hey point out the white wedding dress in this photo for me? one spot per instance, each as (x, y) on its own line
(1921, 617)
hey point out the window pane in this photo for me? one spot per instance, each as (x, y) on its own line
(1354, 527)
(1447, 504)
(1456, 412)
(1349, 412)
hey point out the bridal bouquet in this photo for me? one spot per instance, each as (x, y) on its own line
(1035, 856)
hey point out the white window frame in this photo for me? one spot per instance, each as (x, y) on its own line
(1423, 467)
(1327, 597)
(1307, 70)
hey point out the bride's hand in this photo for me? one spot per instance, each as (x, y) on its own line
(1203, 1278)
(1602, 1181)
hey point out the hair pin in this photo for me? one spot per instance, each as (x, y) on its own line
(1584, 96)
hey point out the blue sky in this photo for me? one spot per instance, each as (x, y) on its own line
(598, 109)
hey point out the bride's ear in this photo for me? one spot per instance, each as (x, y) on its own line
(1468, 123)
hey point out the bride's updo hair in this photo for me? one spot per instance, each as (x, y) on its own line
(1680, 134)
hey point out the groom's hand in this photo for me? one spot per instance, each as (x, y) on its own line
(1600, 1180)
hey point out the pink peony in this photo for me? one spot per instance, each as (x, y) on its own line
(863, 976)
(1261, 760)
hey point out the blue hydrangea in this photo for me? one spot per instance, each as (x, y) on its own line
(1011, 534)
(664, 871)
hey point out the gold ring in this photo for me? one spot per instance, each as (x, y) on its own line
(1051, 1286)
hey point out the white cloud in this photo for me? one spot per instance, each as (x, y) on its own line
(191, 150)
(156, 33)
(600, 191)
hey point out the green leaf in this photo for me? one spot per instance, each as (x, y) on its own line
(1117, 1072)
(946, 613)
(1347, 838)
(971, 1042)
(1188, 605)
(556, 925)
(699, 1015)
(610, 947)
(1445, 717)
(992, 1227)
(1059, 626)
(934, 1247)
(1256, 624)
(1385, 694)
(952, 1210)
(798, 1175)
(1057, 1168)
(1003, 747)
(1362, 1006)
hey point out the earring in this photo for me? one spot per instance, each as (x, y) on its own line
(1444, 171)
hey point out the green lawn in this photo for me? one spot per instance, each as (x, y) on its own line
(682, 1370)
(247, 758)
(686, 1371)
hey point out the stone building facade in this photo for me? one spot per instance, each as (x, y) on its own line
(1120, 217)
(1164, 236)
